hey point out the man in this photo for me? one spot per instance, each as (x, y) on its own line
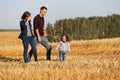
(39, 31)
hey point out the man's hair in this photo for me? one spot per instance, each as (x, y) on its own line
(43, 7)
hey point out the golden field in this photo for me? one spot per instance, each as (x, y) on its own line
(88, 60)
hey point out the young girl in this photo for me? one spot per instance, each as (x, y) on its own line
(26, 36)
(63, 47)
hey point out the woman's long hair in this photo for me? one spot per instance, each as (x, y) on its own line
(25, 14)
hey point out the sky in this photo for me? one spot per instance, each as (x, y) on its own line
(11, 10)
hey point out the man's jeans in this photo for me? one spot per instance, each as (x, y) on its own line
(46, 44)
(26, 42)
(62, 55)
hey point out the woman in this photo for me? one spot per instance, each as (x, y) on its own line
(27, 37)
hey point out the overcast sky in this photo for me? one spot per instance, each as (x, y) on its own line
(11, 10)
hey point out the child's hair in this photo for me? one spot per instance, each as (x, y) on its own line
(25, 14)
(67, 39)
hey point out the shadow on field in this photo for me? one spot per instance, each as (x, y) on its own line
(41, 59)
(48, 60)
(8, 59)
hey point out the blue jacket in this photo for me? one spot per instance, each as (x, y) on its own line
(23, 27)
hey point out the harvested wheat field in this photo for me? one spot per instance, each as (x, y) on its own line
(88, 60)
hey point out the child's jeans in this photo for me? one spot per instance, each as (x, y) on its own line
(62, 55)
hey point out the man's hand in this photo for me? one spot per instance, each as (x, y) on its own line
(39, 39)
(38, 35)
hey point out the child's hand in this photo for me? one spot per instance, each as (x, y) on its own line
(68, 52)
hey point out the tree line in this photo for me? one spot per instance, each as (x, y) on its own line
(81, 28)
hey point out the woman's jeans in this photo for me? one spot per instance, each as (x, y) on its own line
(62, 55)
(46, 44)
(26, 42)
